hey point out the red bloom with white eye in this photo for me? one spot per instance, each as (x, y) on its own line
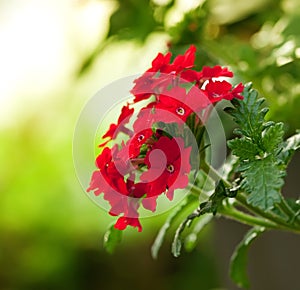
(168, 165)
(173, 101)
(135, 172)
(219, 90)
(181, 103)
(162, 74)
(137, 141)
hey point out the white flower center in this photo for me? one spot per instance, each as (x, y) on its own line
(180, 111)
(141, 137)
(170, 168)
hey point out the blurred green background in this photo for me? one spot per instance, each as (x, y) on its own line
(55, 55)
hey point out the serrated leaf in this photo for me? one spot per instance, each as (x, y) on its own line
(262, 181)
(273, 137)
(259, 149)
(238, 263)
(248, 113)
(112, 238)
(162, 232)
(243, 148)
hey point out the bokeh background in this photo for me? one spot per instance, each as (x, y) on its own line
(55, 55)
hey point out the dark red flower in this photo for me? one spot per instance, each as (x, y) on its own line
(161, 63)
(162, 74)
(124, 221)
(149, 164)
(207, 73)
(110, 173)
(114, 129)
(136, 142)
(181, 103)
(215, 72)
(168, 165)
(219, 90)
(174, 102)
(185, 61)
(127, 203)
(145, 85)
(121, 193)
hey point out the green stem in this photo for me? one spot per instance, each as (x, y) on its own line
(285, 207)
(213, 173)
(198, 191)
(275, 219)
(265, 214)
(232, 213)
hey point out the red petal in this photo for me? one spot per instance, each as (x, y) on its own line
(123, 222)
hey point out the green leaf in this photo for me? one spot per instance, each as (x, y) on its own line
(176, 245)
(258, 149)
(191, 239)
(134, 19)
(273, 137)
(112, 238)
(290, 146)
(243, 148)
(238, 263)
(162, 232)
(263, 180)
(248, 113)
(210, 206)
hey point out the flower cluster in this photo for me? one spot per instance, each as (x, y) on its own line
(153, 159)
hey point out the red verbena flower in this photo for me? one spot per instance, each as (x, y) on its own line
(162, 74)
(137, 141)
(152, 160)
(114, 129)
(168, 165)
(124, 221)
(219, 90)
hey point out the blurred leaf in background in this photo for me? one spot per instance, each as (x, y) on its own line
(258, 39)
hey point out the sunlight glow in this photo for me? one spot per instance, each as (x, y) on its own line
(41, 45)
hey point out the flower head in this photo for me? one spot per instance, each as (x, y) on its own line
(155, 158)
